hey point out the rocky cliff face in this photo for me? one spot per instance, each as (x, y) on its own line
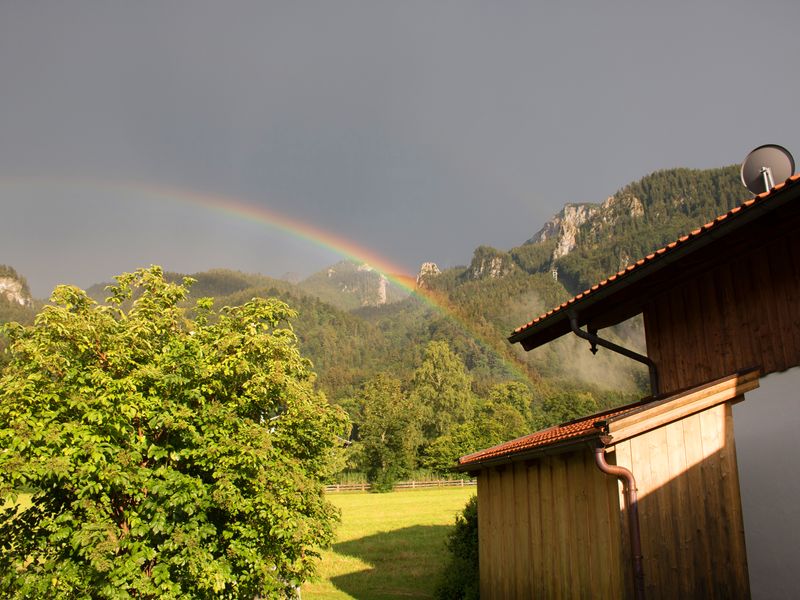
(489, 263)
(587, 220)
(349, 285)
(564, 227)
(372, 293)
(426, 271)
(14, 290)
(382, 287)
(491, 267)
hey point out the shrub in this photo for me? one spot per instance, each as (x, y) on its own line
(460, 578)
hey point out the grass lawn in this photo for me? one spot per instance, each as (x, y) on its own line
(388, 545)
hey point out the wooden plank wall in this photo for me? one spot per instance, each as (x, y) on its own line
(742, 313)
(689, 510)
(550, 528)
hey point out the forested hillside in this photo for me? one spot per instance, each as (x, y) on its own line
(642, 217)
(349, 285)
(428, 376)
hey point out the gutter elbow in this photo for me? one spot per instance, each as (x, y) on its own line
(632, 509)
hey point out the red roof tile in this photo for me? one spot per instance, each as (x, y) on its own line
(570, 431)
(584, 429)
(701, 231)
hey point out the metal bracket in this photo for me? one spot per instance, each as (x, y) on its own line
(592, 337)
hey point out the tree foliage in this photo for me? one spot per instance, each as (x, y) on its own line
(442, 387)
(167, 457)
(563, 406)
(389, 432)
(505, 415)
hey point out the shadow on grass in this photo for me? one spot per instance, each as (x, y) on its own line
(406, 563)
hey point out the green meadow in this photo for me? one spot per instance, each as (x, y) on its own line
(388, 545)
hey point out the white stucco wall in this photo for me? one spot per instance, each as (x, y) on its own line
(767, 429)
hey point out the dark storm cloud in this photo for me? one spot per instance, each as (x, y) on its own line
(418, 129)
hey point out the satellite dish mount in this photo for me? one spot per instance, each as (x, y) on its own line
(764, 166)
(769, 182)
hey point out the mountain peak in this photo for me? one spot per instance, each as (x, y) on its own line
(13, 287)
(350, 284)
(426, 271)
(590, 241)
(564, 227)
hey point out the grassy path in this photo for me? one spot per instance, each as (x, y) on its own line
(389, 545)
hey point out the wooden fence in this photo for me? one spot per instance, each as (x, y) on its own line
(402, 485)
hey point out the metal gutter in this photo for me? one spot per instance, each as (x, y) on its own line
(594, 440)
(632, 510)
(595, 341)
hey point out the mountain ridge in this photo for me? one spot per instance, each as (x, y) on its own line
(591, 241)
(355, 322)
(350, 284)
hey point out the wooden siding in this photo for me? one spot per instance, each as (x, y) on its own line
(689, 510)
(744, 312)
(550, 528)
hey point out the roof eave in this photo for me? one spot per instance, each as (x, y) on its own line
(592, 439)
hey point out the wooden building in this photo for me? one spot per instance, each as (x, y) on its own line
(721, 308)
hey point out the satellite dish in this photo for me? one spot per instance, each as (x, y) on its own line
(764, 166)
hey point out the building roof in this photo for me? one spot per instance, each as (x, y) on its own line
(615, 425)
(566, 434)
(622, 295)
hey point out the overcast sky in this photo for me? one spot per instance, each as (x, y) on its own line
(417, 130)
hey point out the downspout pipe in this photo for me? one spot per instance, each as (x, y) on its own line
(632, 509)
(598, 341)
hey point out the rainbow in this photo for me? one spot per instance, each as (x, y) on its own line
(237, 208)
(240, 209)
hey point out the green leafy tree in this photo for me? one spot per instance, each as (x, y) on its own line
(442, 386)
(166, 457)
(443, 452)
(504, 416)
(501, 422)
(515, 394)
(562, 406)
(389, 431)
